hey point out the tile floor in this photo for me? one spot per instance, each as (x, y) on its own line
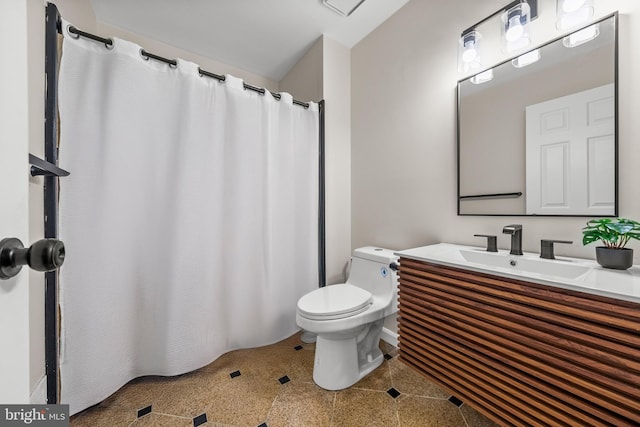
(273, 386)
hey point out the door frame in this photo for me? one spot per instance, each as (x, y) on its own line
(51, 323)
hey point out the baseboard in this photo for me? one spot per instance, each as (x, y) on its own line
(39, 395)
(389, 337)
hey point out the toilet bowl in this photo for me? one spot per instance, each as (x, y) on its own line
(348, 317)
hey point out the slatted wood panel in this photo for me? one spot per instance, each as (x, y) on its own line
(519, 352)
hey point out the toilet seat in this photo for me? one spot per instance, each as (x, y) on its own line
(334, 302)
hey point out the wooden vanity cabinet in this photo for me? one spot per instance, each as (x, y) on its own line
(521, 353)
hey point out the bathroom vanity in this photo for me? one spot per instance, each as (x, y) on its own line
(525, 341)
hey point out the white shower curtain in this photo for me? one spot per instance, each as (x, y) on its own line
(190, 217)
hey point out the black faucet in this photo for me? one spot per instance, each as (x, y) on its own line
(516, 237)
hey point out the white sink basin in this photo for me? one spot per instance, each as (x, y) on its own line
(526, 263)
(574, 274)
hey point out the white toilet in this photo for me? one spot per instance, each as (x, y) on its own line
(348, 318)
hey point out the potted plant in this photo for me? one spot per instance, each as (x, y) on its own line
(614, 234)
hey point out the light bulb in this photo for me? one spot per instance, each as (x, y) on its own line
(469, 54)
(514, 30)
(469, 51)
(517, 45)
(469, 44)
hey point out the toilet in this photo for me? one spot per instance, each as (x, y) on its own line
(347, 319)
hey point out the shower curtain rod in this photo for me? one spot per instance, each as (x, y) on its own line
(172, 62)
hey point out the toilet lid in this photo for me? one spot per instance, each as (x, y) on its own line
(334, 301)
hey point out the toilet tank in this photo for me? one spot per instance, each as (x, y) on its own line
(370, 271)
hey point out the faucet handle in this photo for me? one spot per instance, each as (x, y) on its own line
(492, 242)
(546, 247)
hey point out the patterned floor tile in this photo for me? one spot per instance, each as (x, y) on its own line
(428, 412)
(302, 404)
(247, 388)
(356, 408)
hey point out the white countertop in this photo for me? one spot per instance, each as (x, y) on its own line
(619, 284)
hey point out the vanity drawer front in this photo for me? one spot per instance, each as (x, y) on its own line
(522, 353)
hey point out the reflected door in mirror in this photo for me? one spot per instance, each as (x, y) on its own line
(570, 162)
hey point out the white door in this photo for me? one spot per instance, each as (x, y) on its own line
(15, 333)
(570, 154)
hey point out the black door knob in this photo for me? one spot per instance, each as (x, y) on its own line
(43, 255)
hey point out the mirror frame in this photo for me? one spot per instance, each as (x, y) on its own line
(616, 22)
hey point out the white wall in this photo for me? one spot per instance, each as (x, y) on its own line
(337, 95)
(78, 12)
(304, 80)
(404, 78)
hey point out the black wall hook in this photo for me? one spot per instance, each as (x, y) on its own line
(42, 167)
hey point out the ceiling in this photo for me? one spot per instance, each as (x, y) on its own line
(265, 37)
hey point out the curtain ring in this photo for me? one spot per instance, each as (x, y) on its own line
(70, 30)
(109, 44)
(143, 54)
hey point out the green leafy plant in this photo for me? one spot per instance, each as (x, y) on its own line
(613, 233)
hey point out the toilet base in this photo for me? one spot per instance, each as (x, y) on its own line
(308, 337)
(343, 359)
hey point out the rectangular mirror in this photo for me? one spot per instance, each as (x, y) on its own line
(541, 139)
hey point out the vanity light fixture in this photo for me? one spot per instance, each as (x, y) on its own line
(573, 13)
(515, 27)
(482, 77)
(581, 36)
(526, 59)
(469, 51)
(515, 19)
